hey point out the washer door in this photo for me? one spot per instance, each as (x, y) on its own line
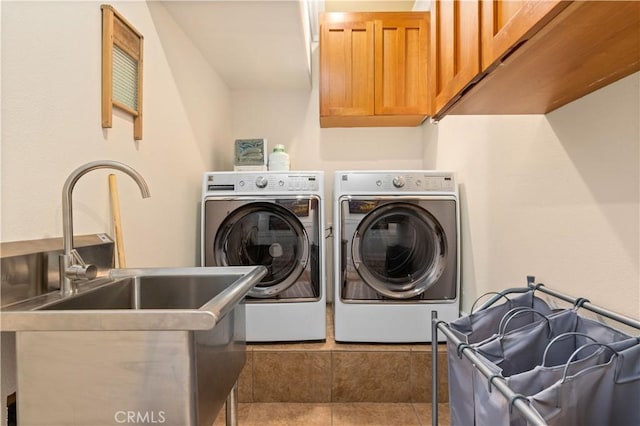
(400, 250)
(264, 234)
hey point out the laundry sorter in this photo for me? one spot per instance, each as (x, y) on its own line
(527, 361)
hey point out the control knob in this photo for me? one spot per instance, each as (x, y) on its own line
(261, 182)
(398, 181)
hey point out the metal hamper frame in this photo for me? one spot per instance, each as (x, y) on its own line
(516, 400)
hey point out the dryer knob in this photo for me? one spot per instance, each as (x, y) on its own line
(398, 181)
(261, 182)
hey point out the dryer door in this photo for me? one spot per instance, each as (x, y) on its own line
(264, 234)
(399, 249)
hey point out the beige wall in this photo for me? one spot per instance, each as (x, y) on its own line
(292, 118)
(555, 196)
(51, 125)
(368, 5)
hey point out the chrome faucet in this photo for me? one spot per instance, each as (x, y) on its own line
(72, 267)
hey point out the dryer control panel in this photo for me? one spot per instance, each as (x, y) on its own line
(267, 182)
(396, 181)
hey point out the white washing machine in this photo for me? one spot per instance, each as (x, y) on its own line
(396, 254)
(275, 219)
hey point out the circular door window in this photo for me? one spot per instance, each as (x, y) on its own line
(400, 250)
(264, 234)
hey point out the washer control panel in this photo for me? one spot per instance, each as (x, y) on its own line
(262, 182)
(399, 181)
(396, 181)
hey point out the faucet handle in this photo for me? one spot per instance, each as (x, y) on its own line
(78, 269)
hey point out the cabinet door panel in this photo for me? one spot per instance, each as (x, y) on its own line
(401, 66)
(346, 68)
(455, 50)
(506, 24)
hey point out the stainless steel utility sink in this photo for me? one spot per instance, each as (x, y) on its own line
(141, 345)
(139, 299)
(149, 292)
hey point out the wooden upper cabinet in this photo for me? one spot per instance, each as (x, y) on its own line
(455, 50)
(401, 64)
(373, 69)
(507, 24)
(346, 68)
(576, 48)
(527, 56)
(470, 36)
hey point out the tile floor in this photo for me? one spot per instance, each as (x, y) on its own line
(337, 414)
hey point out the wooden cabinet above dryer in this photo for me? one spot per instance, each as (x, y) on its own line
(373, 69)
(527, 56)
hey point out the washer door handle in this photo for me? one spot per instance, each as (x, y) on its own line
(355, 249)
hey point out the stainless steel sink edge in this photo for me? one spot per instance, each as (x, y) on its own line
(179, 271)
(42, 300)
(26, 316)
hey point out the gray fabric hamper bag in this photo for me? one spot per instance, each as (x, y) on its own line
(474, 329)
(496, 410)
(522, 350)
(606, 394)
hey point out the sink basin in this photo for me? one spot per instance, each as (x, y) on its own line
(139, 299)
(141, 345)
(148, 292)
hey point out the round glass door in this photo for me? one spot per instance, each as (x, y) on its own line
(400, 250)
(264, 234)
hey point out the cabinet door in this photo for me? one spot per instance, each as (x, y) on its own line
(346, 68)
(507, 24)
(401, 65)
(455, 50)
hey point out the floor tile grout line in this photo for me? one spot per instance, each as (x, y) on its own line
(331, 365)
(415, 413)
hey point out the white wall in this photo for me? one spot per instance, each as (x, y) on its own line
(554, 196)
(51, 53)
(292, 118)
(51, 116)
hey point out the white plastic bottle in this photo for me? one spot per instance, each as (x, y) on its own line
(279, 159)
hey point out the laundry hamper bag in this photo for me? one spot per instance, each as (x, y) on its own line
(473, 329)
(606, 394)
(523, 349)
(494, 409)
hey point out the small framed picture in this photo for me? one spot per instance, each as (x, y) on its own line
(251, 152)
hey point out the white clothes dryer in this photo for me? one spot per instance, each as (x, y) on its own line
(396, 254)
(275, 219)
